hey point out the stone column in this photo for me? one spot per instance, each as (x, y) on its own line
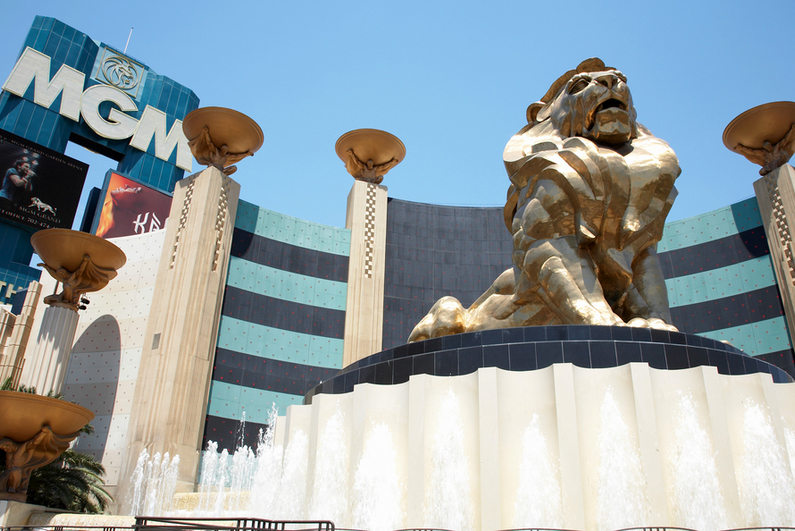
(170, 401)
(50, 357)
(364, 316)
(775, 193)
(13, 354)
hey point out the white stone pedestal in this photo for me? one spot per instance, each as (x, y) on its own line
(47, 367)
(16, 513)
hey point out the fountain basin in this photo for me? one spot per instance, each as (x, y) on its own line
(22, 415)
(537, 347)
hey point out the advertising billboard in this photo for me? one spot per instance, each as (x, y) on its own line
(130, 207)
(41, 187)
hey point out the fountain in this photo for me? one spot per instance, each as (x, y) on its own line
(695, 500)
(622, 498)
(448, 500)
(563, 446)
(155, 481)
(538, 500)
(766, 484)
(330, 489)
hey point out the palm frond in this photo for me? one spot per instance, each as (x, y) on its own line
(72, 482)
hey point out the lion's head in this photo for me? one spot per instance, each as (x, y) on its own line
(595, 105)
(592, 101)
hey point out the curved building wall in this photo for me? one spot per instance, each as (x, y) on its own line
(433, 251)
(282, 320)
(721, 282)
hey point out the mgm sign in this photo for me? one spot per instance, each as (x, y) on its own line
(66, 87)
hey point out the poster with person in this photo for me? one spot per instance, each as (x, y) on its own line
(130, 207)
(41, 187)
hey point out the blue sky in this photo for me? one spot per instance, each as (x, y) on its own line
(451, 79)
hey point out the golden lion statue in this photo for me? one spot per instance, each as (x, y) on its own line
(590, 190)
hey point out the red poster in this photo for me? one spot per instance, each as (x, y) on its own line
(130, 207)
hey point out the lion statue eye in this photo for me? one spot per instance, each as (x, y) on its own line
(578, 85)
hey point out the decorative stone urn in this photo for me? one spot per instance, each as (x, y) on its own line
(34, 431)
(235, 136)
(369, 154)
(81, 263)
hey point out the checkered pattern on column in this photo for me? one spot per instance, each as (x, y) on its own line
(369, 230)
(183, 219)
(782, 226)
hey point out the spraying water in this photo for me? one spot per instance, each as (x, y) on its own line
(538, 498)
(622, 499)
(267, 477)
(154, 481)
(330, 492)
(789, 439)
(368, 491)
(210, 464)
(696, 501)
(765, 480)
(267, 481)
(292, 487)
(377, 493)
(448, 502)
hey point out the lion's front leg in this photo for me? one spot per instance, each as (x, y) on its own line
(446, 317)
(646, 304)
(566, 281)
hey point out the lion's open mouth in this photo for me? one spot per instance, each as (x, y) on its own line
(611, 103)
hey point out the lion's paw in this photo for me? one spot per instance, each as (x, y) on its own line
(658, 324)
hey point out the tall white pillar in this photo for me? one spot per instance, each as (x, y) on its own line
(50, 357)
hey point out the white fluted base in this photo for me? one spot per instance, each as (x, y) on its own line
(561, 447)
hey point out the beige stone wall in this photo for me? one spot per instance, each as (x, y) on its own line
(107, 351)
(775, 193)
(364, 317)
(15, 332)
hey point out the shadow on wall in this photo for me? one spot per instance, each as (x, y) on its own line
(92, 379)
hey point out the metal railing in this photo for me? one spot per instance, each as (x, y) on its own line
(64, 528)
(151, 523)
(146, 523)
